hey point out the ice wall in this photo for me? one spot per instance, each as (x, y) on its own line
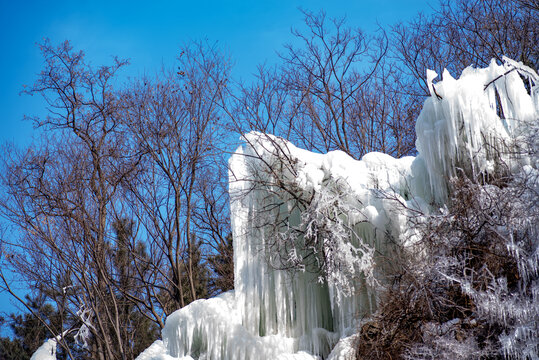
(312, 233)
(287, 197)
(282, 309)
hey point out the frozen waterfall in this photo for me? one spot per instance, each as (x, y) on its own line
(312, 233)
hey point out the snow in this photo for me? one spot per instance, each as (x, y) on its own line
(158, 351)
(344, 350)
(312, 232)
(47, 351)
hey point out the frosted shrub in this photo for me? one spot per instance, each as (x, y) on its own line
(325, 240)
(472, 289)
(311, 221)
(467, 286)
(487, 246)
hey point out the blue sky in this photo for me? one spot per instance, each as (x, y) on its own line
(149, 33)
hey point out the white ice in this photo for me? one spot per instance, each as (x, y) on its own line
(47, 351)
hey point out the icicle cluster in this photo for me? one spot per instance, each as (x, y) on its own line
(474, 124)
(83, 334)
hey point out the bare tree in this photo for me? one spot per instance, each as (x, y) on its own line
(178, 199)
(466, 33)
(333, 92)
(61, 196)
(118, 208)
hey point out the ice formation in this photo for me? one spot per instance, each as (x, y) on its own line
(312, 232)
(47, 351)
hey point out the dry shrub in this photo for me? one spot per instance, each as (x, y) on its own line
(396, 325)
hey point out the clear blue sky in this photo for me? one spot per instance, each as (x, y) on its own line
(149, 33)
